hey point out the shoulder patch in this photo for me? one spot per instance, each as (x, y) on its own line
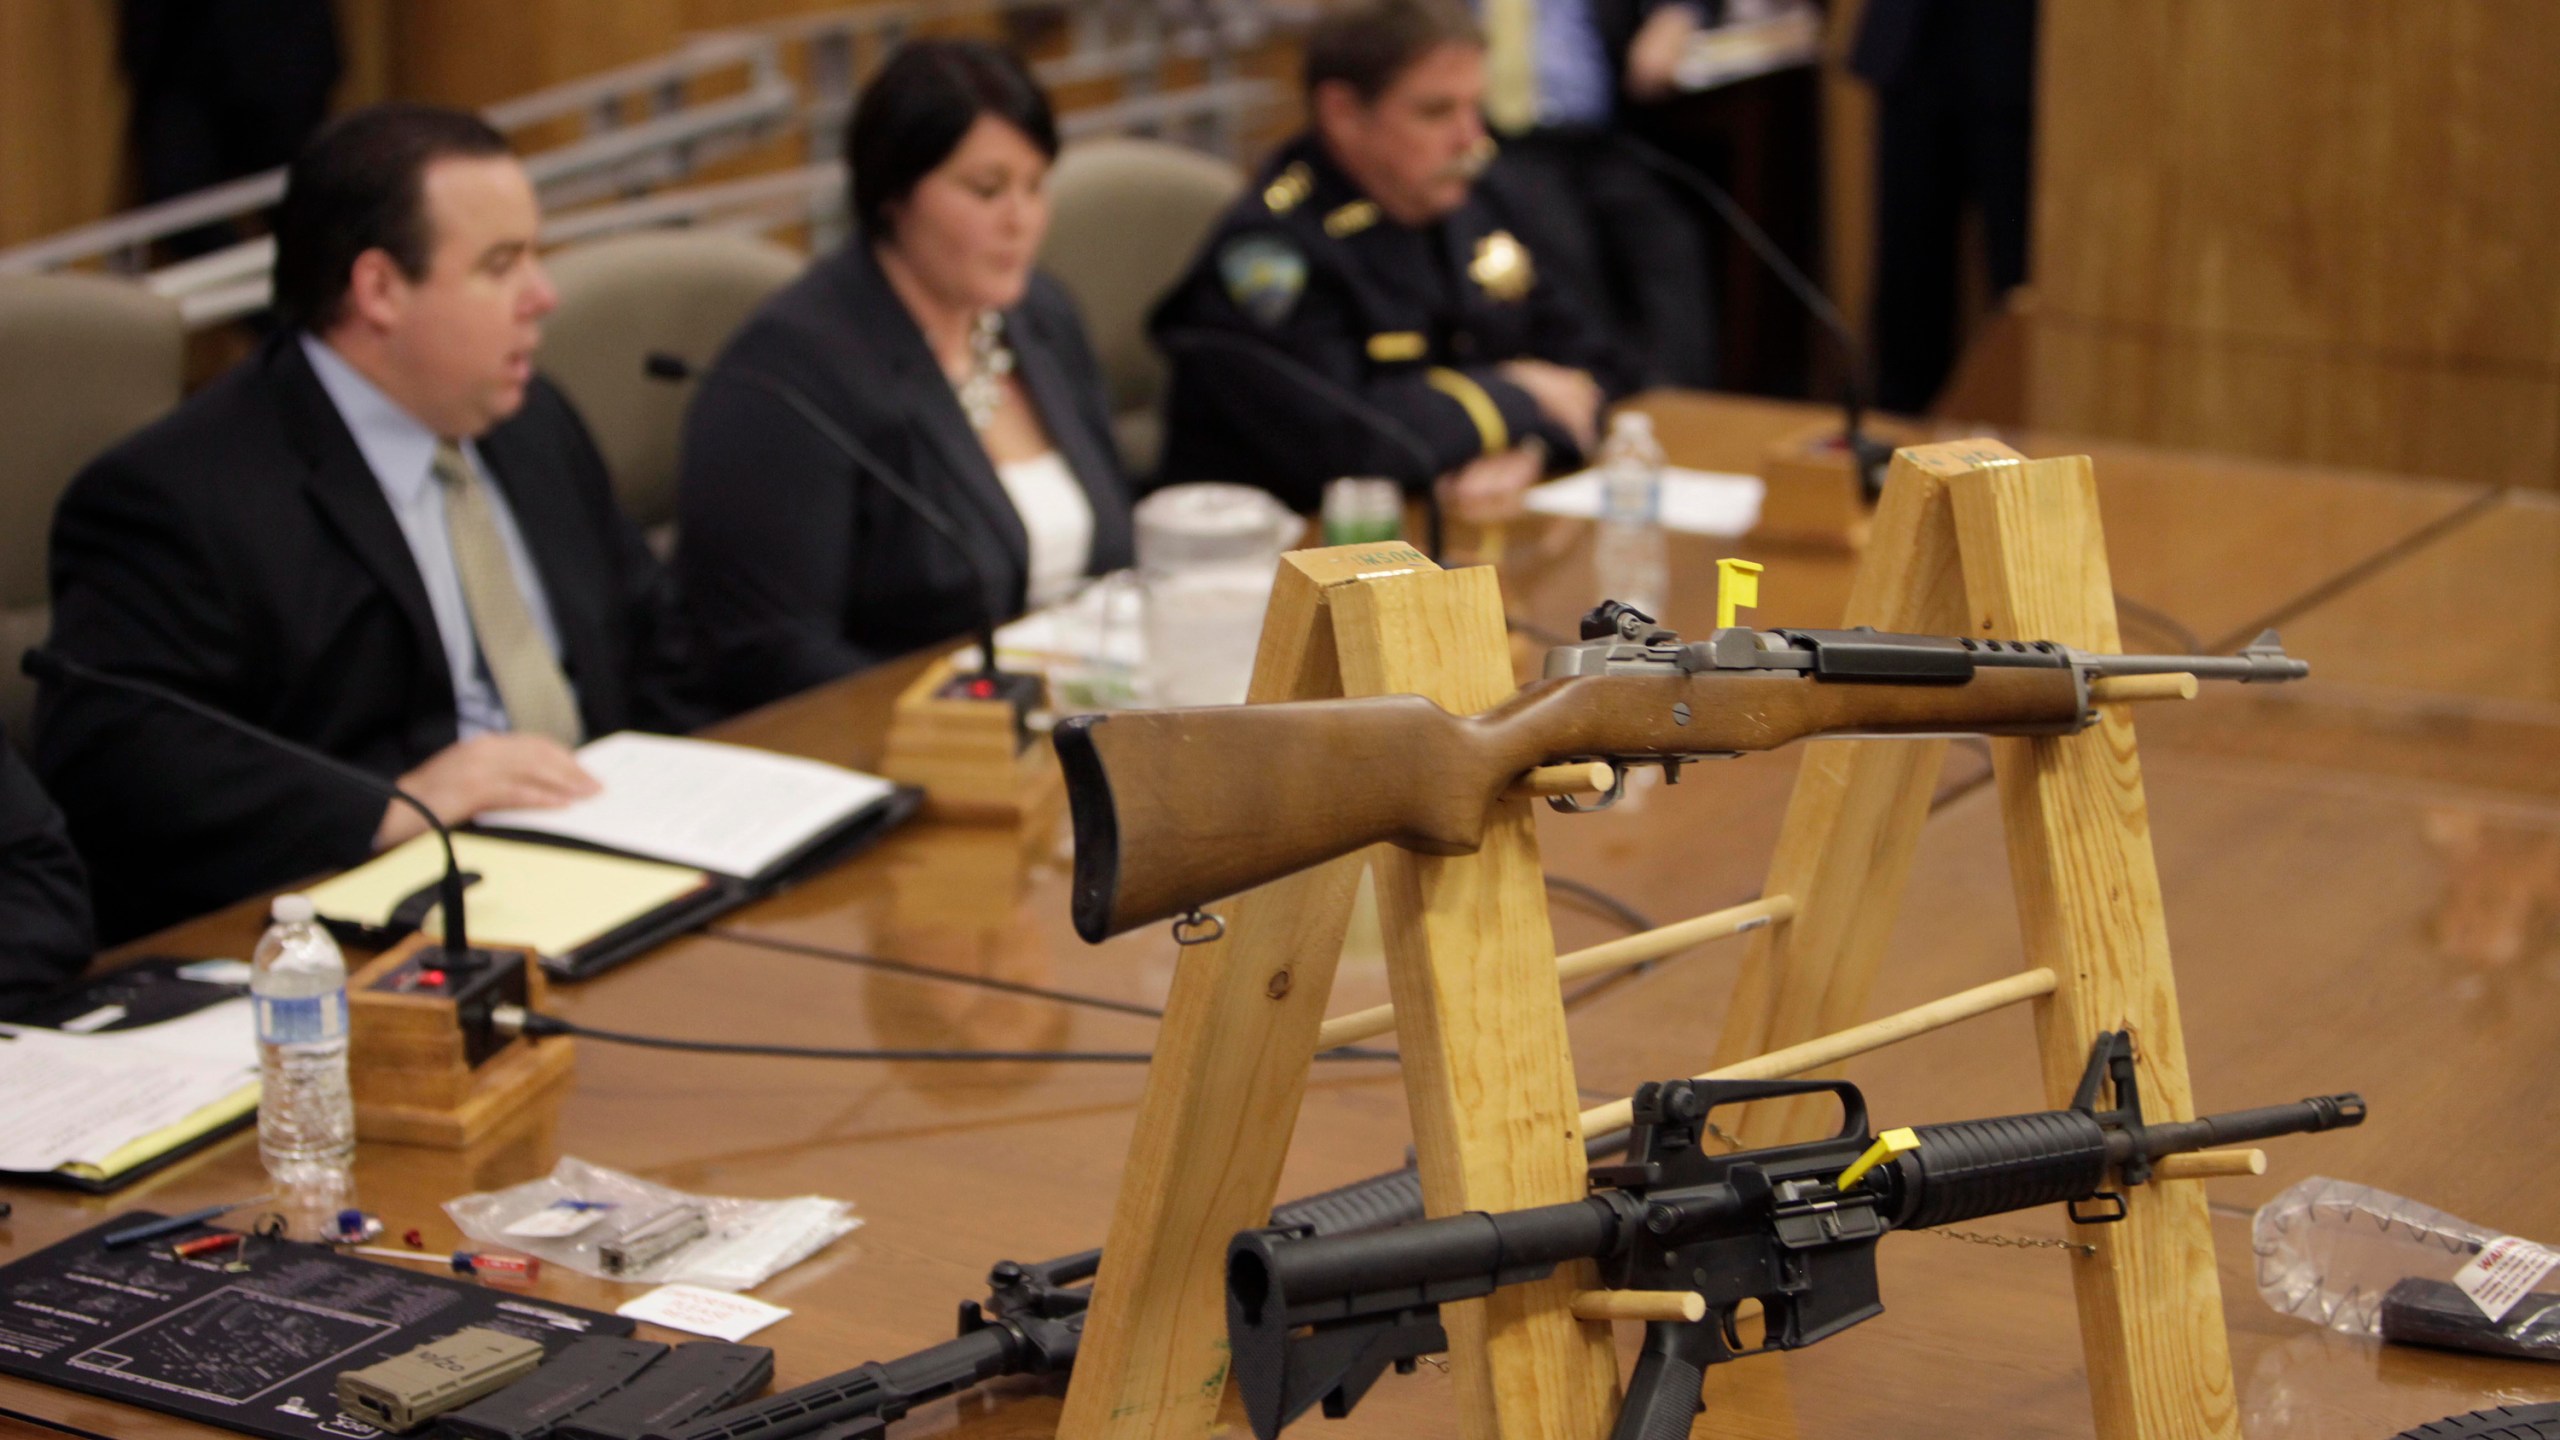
(1351, 219)
(1264, 274)
(1289, 188)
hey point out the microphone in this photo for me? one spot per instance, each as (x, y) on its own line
(1023, 692)
(54, 669)
(1329, 395)
(1869, 455)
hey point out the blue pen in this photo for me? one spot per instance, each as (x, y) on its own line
(154, 1229)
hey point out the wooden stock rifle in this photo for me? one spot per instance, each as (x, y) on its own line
(1177, 808)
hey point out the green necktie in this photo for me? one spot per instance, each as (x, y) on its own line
(529, 680)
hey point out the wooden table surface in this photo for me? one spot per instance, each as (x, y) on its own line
(2361, 877)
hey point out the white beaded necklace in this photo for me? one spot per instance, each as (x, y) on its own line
(981, 391)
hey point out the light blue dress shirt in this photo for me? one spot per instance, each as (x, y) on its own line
(1575, 82)
(402, 454)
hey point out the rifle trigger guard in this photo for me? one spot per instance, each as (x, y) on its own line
(1198, 927)
(1617, 791)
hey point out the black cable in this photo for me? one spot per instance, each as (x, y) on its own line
(2365, 569)
(2186, 641)
(930, 972)
(539, 1024)
(1869, 455)
(1636, 921)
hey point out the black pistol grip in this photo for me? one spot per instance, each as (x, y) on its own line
(1664, 1394)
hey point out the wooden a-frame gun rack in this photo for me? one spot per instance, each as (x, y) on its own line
(1971, 539)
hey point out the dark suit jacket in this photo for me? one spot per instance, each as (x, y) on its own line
(44, 898)
(1982, 53)
(1619, 20)
(793, 571)
(241, 551)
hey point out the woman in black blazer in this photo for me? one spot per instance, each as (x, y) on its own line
(940, 353)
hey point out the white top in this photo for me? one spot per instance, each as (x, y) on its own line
(1058, 518)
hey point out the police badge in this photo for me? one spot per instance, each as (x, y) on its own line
(1502, 267)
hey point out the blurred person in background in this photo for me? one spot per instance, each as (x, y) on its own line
(1955, 84)
(382, 536)
(1561, 76)
(930, 340)
(44, 894)
(222, 89)
(1362, 309)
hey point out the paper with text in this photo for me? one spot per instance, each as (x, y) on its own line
(719, 807)
(1694, 502)
(77, 1099)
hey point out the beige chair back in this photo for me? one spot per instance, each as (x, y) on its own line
(1127, 216)
(84, 361)
(681, 291)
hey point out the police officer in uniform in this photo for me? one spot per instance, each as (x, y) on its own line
(1366, 309)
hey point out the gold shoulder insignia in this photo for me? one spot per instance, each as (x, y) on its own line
(1351, 219)
(1391, 346)
(1502, 267)
(1289, 188)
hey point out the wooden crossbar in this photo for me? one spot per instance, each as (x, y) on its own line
(1618, 954)
(1840, 1045)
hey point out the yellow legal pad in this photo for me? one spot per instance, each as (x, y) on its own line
(547, 898)
(146, 1148)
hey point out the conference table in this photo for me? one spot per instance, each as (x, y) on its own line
(2361, 874)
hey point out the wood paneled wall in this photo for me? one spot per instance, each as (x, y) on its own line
(63, 103)
(2310, 229)
(62, 117)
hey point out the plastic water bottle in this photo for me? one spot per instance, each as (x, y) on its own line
(306, 1115)
(1631, 562)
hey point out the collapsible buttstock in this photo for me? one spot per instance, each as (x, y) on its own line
(1177, 808)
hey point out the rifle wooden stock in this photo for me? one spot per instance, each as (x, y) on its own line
(1176, 808)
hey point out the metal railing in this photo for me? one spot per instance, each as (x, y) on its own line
(645, 131)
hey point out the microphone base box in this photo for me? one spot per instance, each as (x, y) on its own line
(967, 753)
(1813, 496)
(425, 1063)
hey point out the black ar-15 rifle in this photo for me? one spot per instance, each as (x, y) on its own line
(1794, 1227)
(1032, 1323)
(1177, 808)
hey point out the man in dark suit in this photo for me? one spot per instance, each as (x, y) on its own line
(382, 536)
(1361, 310)
(44, 898)
(1563, 79)
(1955, 84)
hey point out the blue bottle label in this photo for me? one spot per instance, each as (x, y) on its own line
(302, 1020)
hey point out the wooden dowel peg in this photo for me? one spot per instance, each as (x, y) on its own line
(1840, 1045)
(1589, 777)
(1648, 1305)
(1675, 937)
(1359, 1025)
(2208, 1164)
(2118, 689)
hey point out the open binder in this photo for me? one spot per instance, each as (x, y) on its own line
(684, 832)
